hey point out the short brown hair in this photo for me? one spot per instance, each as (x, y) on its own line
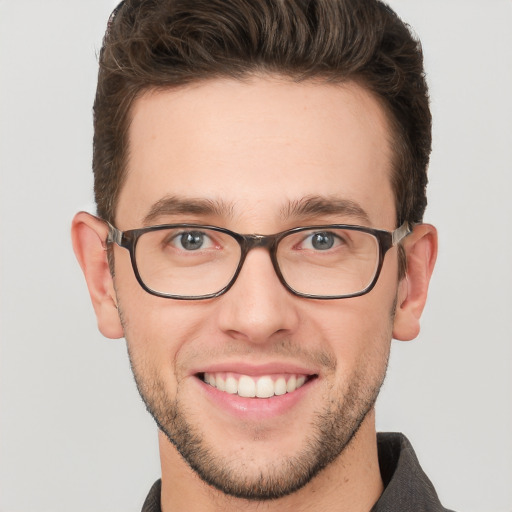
(170, 43)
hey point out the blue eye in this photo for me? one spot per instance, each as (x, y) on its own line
(192, 240)
(322, 241)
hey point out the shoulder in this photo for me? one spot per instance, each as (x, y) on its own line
(152, 502)
(407, 487)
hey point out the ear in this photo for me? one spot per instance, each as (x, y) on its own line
(88, 234)
(421, 252)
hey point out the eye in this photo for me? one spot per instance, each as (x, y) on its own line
(191, 241)
(321, 241)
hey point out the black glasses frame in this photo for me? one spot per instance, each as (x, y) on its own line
(386, 239)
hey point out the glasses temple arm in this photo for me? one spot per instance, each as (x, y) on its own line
(114, 235)
(401, 232)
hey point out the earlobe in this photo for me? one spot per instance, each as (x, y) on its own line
(88, 235)
(421, 252)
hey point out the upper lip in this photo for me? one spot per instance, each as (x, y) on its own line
(256, 370)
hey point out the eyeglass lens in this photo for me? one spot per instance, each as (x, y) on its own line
(199, 261)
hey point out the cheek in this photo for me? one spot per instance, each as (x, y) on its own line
(150, 323)
(354, 330)
(163, 336)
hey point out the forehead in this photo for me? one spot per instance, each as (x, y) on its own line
(257, 146)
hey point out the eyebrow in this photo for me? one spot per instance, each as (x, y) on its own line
(307, 207)
(312, 206)
(174, 205)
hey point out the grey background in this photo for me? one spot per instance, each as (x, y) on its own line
(73, 432)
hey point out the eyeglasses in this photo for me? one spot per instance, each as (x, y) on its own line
(191, 262)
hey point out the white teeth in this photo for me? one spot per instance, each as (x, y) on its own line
(291, 385)
(231, 385)
(250, 387)
(264, 387)
(280, 386)
(246, 387)
(220, 383)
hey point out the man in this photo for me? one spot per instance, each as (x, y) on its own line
(260, 173)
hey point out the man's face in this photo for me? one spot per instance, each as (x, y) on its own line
(257, 150)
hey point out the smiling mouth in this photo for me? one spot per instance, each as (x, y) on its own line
(264, 386)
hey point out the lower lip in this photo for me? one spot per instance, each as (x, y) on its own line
(256, 408)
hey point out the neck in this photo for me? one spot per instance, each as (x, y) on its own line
(351, 483)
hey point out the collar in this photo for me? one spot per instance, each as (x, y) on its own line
(406, 486)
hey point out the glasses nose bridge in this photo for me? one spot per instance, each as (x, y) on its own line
(256, 241)
(251, 242)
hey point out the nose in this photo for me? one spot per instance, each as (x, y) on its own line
(258, 308)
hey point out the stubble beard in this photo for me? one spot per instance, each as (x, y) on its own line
(332, 430)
